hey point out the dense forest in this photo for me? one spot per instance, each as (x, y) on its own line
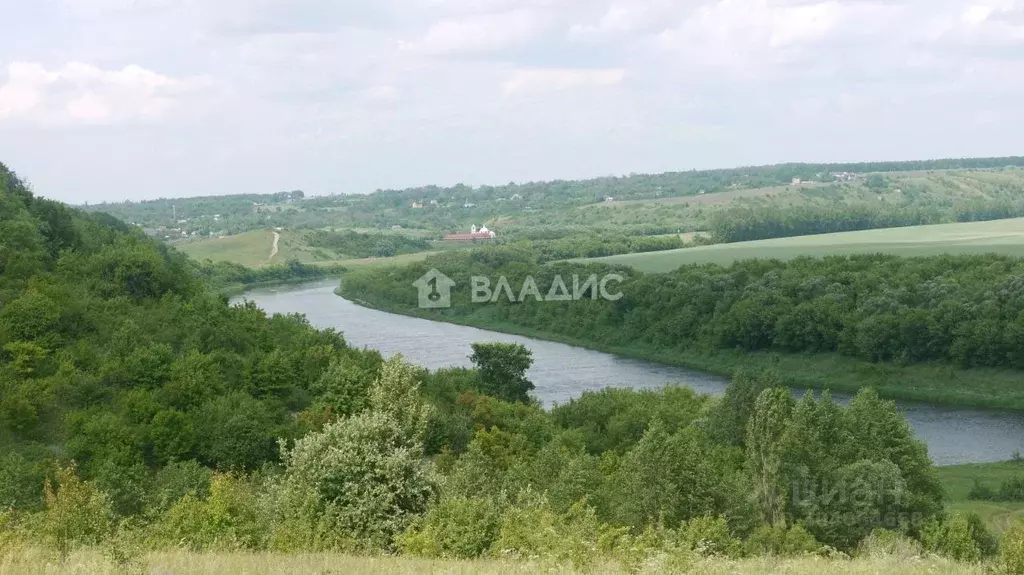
(140, 411)
(964, 310)
(741, 224)
(361, 245)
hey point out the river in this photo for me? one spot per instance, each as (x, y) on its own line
(561, 372)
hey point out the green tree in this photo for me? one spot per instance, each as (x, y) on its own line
(503, 369)
(765, 432)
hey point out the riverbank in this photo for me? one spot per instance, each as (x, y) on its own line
(237, 289)
(988, 388)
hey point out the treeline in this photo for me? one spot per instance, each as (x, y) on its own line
(593, 245)
(359, 245)
(744, 224)
(964, 310)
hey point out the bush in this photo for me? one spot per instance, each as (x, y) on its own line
(885, 543)
(532, 529)
(709, 536)
(981, 492)
(960, 537)
(781, 541)
(229, 518)
(175, 481)
(1012, 489)
(458, 527)
(76, 514)
(1011, 549)
(360, 478)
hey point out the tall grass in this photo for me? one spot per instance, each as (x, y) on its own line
(96, 562)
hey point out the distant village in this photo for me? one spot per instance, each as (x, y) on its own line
(475, 233)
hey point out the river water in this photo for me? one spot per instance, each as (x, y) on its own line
(560, 372)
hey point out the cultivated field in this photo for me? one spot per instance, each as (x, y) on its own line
(1002, 237)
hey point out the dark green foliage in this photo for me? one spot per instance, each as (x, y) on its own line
(1010, 490)
(115, 355)
(728, 420)
(674, 478)
(502, 369)
(356, 245)
(616, 419)
(964, 310)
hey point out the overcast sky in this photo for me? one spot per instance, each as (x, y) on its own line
(133, 99)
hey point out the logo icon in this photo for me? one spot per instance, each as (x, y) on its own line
(435, 290)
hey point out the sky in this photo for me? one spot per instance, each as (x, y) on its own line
(108, 100)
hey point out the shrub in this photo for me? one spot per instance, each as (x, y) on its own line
(960, 537)
(76, 514)
(781, 541)
(1012, 489)
(176, 480)
(458, 527)
(532, 529)
(360, 478)
(709, 536)
(229, 518)
(1011, 549)
(886, 543)
(981, 492)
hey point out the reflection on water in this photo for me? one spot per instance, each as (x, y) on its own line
(561, 372)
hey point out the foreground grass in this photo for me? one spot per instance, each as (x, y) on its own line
(1005, 237)
(94, 562)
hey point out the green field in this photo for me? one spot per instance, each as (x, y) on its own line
(249, 249)
(1002, 236)
(958, 480)
(253, 249)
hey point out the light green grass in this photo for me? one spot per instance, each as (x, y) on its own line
(1002, 236)
(93, 562)
(958, 480)
(253, 249)
(249, 249)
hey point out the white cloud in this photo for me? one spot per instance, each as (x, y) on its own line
(555, 79)
(350, 89)
(82, 93)
(482, 33)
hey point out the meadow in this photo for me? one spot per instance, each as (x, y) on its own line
(253, 249)
(958, 480)
(1005, 237)
(95, 562)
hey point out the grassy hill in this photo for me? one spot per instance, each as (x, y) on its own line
(1004, 237)
(255, 249)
